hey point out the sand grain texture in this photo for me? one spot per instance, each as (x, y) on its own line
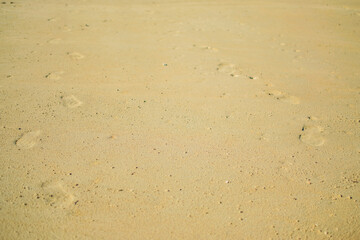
(204, 119)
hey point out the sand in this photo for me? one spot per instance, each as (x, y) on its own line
(179, 119)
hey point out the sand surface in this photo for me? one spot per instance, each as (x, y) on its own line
(179, 119)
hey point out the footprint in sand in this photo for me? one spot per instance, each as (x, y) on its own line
(75, 55)
(65, 28)
(54, 41)
(284, 97)
(230, 69)
(71, 101)
(55, 195)
(312, 135)
(206, 48)
(54, 75)
(28, 140)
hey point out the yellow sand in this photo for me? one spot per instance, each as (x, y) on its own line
(180, 119)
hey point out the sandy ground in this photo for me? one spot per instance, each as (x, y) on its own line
(164, 119)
